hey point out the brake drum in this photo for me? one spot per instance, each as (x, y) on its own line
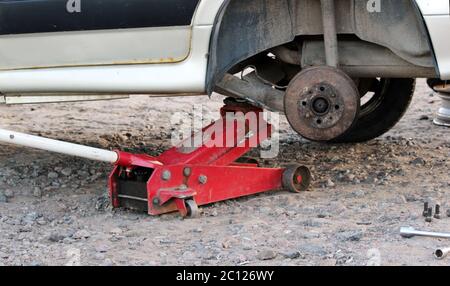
(322, 103)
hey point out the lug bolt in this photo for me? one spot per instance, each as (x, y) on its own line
(425, 209)
(203, 179)
(156, 201)
(437, 214)
(429, 217)
(166, 175)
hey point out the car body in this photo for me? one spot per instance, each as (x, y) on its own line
(57, 48)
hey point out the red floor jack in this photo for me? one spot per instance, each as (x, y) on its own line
(183, 178)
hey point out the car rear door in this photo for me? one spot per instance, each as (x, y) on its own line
(61, 33)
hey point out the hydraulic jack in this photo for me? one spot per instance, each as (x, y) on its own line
(207, 170)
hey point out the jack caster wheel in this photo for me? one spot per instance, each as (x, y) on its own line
(296, 178)
(192, 209)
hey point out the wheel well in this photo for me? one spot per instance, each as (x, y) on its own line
(245, 29)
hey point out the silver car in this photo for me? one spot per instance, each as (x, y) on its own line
(341, 71)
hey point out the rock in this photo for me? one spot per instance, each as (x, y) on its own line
(116, 231)
(102, 203)
(353, 235)
(358, 194)
(56, 237)
(189, 256)
(266, 255)
(81, 234)
(107, 262)
(228, 243)
(424, 117)
(37, 192)
(41, 221)
(291, 254)
(311, 249)
(66, 172)
(102, 248)
(9, 194)
(330, 184)
(3, 198)
(418, 162)
(30, 218)
(52, 175)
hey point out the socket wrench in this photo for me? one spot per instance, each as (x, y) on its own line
(408, 232)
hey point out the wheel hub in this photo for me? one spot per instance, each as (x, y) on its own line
(322, 103)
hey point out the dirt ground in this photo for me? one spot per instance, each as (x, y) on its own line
(53, 209)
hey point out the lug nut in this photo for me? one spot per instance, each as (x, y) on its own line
(437, 212)
(425, 209)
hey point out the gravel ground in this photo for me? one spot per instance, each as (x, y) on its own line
(54, 209)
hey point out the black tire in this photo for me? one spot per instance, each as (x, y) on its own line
(389, 102)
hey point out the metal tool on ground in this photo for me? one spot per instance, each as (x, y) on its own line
(441, 253)
(185, 177)
(409, 232)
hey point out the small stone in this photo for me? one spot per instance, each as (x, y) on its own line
(30, 218)
(66, 172)
(291, 254)
(228, 243)
(350, 235)
(102, 248)
(52, 175)
(418, 162)
(9, 194)
(37, 192)
(116, 231)
(266, 255)
(189, 255)
(3, 255)
(81, 234)
(41, 221)
(3, 198)
(56, 237)
(107, 262)
(424, 117)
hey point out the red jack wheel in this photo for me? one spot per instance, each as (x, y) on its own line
(296, 178)
(192, 209)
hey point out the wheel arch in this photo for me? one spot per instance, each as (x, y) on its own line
(239, 25)
(236, 36)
